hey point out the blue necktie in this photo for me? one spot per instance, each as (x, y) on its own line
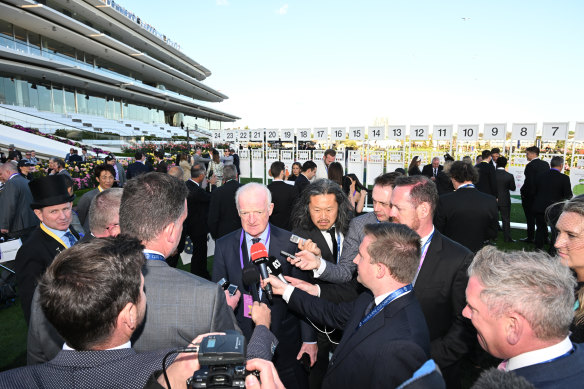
(71, 238)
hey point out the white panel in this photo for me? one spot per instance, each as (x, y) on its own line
(396, 132)
(338, 133)
(419, 133)
(442, 132)
(320, 133)
(287, 156)
(467, 132)
(495, 131)
(554, 131)
(375, 162)
(230, 136)
(258, 166)
(523, 131)
(256, 135)
(303, 133)
(272, 134)
(217, 136)
(355, 163)
(243, 136)
(244, 163)
(357, 133)
(303, 156)
(377, 133)
(287, 134)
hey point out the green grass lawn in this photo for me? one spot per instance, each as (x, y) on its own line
(13, 327)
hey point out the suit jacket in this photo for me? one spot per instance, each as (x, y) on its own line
(83, 208)
(223, 216)
(551, 187)
(505, 184)
(75, 158)
(32, 259)
(179, 307)
(15, 200)
(390, 347)
(533, 169)
(285, 324)
(198, 207)
(561, 373)
(428, 170)
(467, 216)
(487, 182)
(135, 169)
(300, 184)
(121, 175)
(162, 167)
(443, 183)
(283, 197)
(122, 368)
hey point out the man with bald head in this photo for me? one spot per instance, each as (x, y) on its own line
(232, 254)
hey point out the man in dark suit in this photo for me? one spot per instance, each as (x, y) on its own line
(138, 167)
(223, 217)
(505, 184)
(431, 170)
(534, 168)
(307, 173)
(52, 204)
(16, 217)
(235, 160)
(386, 338)
(232, 253)
(550, 187)
(196, 223)
(283, 196)
(75, 158)
(161, 165)
(487, 182)
(522, 305)
(441, 280)
(467, 216)
(495, 154)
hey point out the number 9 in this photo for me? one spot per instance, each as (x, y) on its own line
(494, 131)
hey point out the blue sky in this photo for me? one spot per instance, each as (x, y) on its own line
(343, 63)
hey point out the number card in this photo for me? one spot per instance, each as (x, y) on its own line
(468, 132)
(356, 133)
(523, 131)
(303, 133)
(376, 133)
(555, 131)
(320, 133)
(287, 134)
(442, 132)
(396, 132)
(216, 135)
(495, 131)
(256, 135)
(243, 135)
(272, 134)
(338, 133)
(230, 136)
(419, 133)
(579, 134)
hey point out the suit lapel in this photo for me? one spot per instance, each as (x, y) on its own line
(430, 266)
(320, 241)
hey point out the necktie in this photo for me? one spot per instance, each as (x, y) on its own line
(503, 365)
(435, 172)
(369, 308)
(71, 238)
(255, 240)
(334, 239)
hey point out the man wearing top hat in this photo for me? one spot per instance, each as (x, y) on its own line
(52, 204)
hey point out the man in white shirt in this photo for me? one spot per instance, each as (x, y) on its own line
(329, 157)
(522, 304)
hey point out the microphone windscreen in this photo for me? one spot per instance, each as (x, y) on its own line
(499, 379)
(258, 250)
(250, 275)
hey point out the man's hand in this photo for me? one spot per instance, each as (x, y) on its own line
(309, 245)
(305, 260)
(232, 301)
(303, 285)
(311, 350)
(261, 314)
(268, 375)
(213, 180)
(278, 287)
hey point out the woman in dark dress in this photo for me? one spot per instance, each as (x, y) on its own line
(296, 167)
(570, 247)
(414, 168)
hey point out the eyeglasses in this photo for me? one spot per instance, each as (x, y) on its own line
(112, 226)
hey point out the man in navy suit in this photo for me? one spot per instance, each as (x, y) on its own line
(232, 253)
(522, 305)
(386, 338)
(138, 167)
(307, 173)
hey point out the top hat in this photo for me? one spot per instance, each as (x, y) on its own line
(49, 190)
(24, 162)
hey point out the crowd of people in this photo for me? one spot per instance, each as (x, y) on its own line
(325, 294)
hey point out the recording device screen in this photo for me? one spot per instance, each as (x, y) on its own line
(286, 254)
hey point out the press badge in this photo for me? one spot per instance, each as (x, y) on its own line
(247, 304)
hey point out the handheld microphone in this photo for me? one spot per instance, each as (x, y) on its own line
(275, 268)
(251, 279)
(259, 257)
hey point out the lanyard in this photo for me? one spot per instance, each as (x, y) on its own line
(241, 244)
(466, 186)
(570, 351)
(154, 257)
(338, 246)
(52, 235)
(386, 301)
(425, 248)
(99, 188)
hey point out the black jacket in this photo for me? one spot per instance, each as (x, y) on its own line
(505, 184)
(283, 197)
(551, 187)
(532, 170)
(198, 206)
(223, 216)
(487, 178)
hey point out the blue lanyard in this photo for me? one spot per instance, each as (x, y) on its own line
(560, 357)
(154, 257)
(425, 248)
(241, 244)
(466, 186)
(385, 302)
(338, 247)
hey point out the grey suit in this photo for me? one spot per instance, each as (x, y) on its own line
(121, 175)
(87, 369)
(343, 271)
(198, 159)
(83, 208)
(15, 199)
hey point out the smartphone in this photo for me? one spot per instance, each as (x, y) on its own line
(232, 289)
(296, 239)
(285, 254)
(223, 283)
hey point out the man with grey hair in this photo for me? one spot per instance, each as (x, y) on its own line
(16, 216)
(104, 213)
(176, 171)
(432, 169)
(223, 217)
(180, 305)
(522, 305)
(232, 254)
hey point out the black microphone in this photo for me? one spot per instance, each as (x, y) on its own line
(251, 279)
(275, 268)
(259, 257)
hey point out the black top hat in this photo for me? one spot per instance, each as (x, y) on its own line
(24, 162)
(49, 190)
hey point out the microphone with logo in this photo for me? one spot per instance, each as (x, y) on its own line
(259, 257)
(251, 279)
(275, 268)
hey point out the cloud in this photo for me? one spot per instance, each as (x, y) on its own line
(283, 10)
(222, 2)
